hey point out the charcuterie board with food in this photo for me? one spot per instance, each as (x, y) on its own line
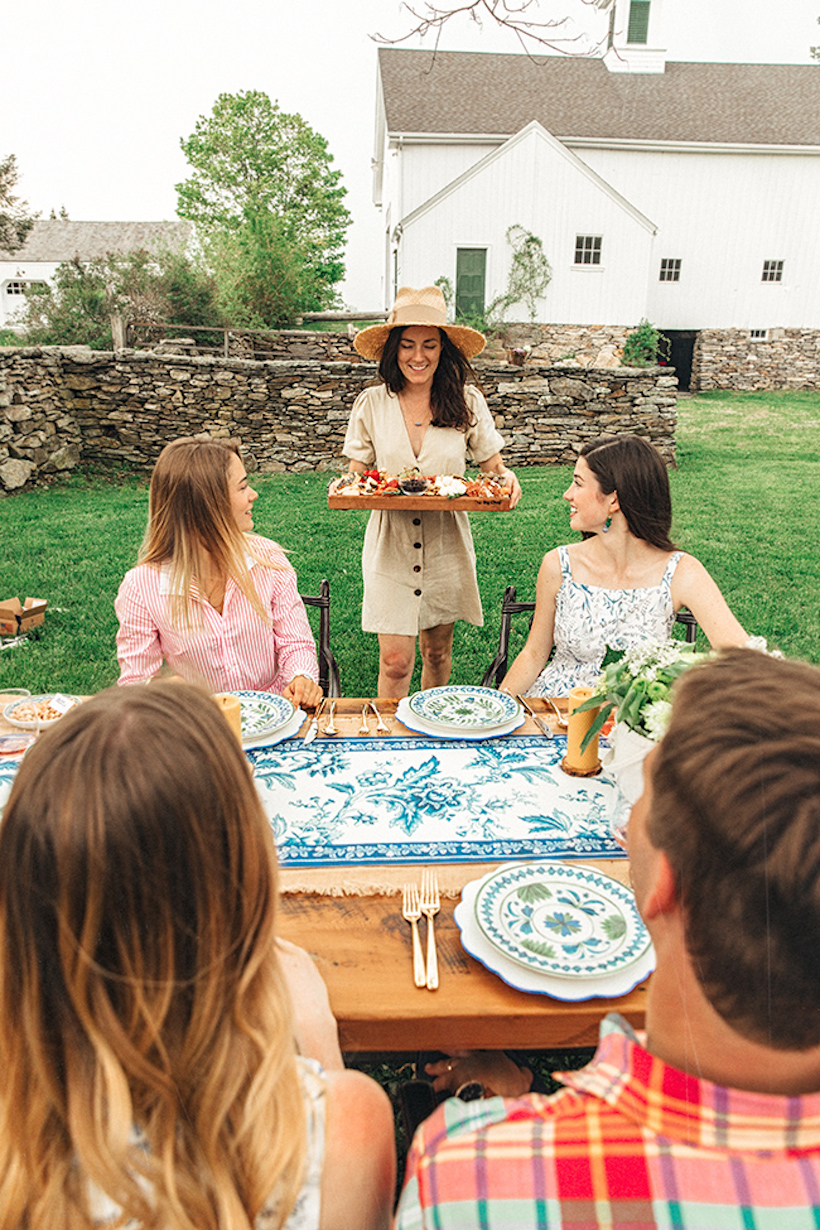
(413, 492)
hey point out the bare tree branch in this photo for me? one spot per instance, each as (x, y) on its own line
(516, 16)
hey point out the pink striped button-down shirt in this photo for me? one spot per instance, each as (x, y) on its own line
(226, 652)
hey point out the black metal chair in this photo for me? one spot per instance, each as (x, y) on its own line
(510, 606)
(328, 670)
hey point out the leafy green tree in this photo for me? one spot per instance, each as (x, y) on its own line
(165, 286)
(262, 180)
(15, 222)
(259, 275)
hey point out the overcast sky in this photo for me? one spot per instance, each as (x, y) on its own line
(95, 97)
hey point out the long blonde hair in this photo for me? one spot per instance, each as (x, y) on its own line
(139, 980)
(190, 519)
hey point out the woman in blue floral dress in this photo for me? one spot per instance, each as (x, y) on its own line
(620, 585)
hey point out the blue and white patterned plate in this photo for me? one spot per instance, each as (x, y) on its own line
(570, 922)
(263, 713)
(464, 707)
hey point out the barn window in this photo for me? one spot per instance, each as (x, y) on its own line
(587, 249)
(670, 269)
(638, 29)
(772, 271)
(20, 288)
(471, 282)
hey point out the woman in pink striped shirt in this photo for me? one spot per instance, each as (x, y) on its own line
(218, 603)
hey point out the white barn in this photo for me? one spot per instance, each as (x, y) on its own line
(682, 192)
(52, 243)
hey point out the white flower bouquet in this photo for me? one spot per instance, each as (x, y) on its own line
(636, 686)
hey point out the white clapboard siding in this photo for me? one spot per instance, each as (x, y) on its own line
(535, 182)
(722, 215)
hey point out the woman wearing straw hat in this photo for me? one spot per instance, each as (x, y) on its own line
(419, 567)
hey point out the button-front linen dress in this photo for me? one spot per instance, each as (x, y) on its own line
(419, 567)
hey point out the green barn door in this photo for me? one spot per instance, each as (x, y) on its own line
(471, 277)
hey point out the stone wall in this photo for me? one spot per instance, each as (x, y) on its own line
(60, 405)
(575, 345)
(731, 359)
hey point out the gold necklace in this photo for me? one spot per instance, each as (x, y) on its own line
(416, 422)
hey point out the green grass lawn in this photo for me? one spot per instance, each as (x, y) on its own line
(746, 496)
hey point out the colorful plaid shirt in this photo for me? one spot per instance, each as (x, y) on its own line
(629, 1144)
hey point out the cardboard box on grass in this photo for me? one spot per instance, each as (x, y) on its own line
(17, 616)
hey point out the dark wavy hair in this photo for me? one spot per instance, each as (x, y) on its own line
(447, 399)
(736, 809)
(634, 469)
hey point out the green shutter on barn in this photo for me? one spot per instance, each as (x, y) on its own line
(471, 280)
(638, 29)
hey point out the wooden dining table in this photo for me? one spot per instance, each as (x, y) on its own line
(350, 921)
(362, 946)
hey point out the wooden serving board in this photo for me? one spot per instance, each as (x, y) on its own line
(416, 503)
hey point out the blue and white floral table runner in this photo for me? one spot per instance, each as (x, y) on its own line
(408, 800)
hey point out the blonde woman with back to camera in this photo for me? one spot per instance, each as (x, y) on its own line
(217, 602)
(167, 1062)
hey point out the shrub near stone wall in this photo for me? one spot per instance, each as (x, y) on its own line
(60, 405)
(731, 359)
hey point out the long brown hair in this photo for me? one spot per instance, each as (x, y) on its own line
(633, 468)
(190, 519)
(447, 400)
(139, 980)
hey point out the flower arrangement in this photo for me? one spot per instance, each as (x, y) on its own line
(636, 684)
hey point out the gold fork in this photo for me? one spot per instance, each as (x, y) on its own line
(411, 910)
(429, 907)
(381, 727)
(563, 721)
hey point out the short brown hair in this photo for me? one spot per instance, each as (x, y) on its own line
(635, 469)
(736, 809)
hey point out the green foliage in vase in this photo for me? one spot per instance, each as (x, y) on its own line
(263, 192)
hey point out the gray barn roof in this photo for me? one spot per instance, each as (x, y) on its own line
(59, 240)
(463, 92)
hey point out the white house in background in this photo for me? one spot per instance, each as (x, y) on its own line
(684, 192)
(50, 244)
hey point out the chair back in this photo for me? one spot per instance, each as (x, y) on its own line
(510, 606)
(328, 670)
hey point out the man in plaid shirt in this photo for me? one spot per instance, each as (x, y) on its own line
(711, 1120)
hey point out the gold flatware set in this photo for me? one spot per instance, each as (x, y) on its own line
(418, 903)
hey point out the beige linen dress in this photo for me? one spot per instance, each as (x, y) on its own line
(419, 567)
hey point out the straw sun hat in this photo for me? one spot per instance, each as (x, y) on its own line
(419, 307)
